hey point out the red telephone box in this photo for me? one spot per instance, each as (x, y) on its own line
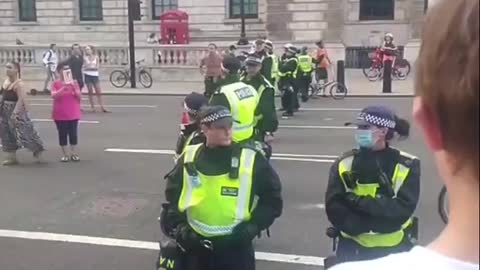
(174, 27)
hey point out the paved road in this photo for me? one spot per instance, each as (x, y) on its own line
(118, 194)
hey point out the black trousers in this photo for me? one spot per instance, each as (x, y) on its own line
(67, 132)
(349, 250)
(225, 258)
(304, 81)
(289, 95)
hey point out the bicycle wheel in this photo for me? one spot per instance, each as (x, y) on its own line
(338, 91)
(443, 208)
(118, 78)
(402, 69)
(145, 78)
(372, 73)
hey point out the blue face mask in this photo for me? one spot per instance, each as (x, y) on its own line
(364, 138)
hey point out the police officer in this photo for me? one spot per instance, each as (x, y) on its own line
(304, 76)
(266, 121)
(271, 60)
(374, 190)
(241, 99)
(287, 81)
(191, 133)
(209, 176)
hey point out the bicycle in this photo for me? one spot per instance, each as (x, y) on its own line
(120, 77)
(337, 90)
(374, 72)
(443, 209)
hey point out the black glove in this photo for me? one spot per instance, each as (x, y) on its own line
(187, 238)
(352, 199)
(245, 232)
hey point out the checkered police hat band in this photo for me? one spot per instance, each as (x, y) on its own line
(376, 120)
(215, 116)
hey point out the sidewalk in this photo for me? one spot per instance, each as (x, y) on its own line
(356, 83)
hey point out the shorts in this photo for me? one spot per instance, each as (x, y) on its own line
(321, 73)
(89, 79)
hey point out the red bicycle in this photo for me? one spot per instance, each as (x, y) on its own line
(374, 71)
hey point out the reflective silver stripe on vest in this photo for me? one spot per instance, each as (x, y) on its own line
(402, 171)
(245, 176)
(212, 230)
(189, 157)
(241, 127)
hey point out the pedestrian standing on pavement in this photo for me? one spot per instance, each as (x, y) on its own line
(287, 73)
(447, 111)
(374, 189)
(16, 128)
(266, 122)
(91, 68)
(210, 175)
(322, 62)
(211, 69)
(66, 111)
(240, 98)
(50, 60)
(190, 132)
(304, 77)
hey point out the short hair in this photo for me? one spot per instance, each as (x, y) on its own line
(75, 45)
(52, 45)
(17, 66)
(447, 75)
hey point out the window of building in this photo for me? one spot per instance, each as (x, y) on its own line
(377, 10)
(27, 10)
(250, 8)
(91, 10)
(161, 6)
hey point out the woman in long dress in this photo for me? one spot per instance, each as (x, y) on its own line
(16, 128)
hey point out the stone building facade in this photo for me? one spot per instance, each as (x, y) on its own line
(352, 23)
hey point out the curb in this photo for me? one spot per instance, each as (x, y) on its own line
(184, 94)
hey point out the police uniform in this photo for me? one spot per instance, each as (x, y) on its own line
(304, 75)
(241, 99)
(244, 186)
(191, 133)
(270, 64)
(265, 114)
(371, 197)
(287, 73)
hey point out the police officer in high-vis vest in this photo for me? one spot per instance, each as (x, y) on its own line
(304, 75)
(219, 200)
(287, 73)
(266, 122)
(269, 63)
(190, 132)
(374, 190)
(240, 98)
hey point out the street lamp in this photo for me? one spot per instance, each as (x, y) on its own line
(243, 37)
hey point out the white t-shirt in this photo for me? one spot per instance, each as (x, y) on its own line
(418, 258)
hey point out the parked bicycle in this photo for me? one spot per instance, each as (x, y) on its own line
(335, 89)
(443, 209)
(374, 71)
(120, 77)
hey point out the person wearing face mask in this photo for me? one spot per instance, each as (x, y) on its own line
(219, 201)
(191, 132)
(373, 190)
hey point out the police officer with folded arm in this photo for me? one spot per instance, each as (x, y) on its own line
(191, 132)
(218, 202)
(240, 98)
(266, 122)
(287, 73)
(374, 190)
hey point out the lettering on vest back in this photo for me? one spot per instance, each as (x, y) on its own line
(243, 93)
(230, 191)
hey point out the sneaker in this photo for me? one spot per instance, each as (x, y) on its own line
(65, 159)
(75, 158)
(286, 115)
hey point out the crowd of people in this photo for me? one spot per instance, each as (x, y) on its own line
(223, 192)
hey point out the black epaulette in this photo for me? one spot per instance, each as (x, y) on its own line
(350, 153)
(405, 158)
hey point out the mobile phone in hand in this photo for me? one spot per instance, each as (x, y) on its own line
(67, 75)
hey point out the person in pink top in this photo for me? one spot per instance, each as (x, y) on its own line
(66, 111)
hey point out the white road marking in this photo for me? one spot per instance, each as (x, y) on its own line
(331, 109)
(312, 206)
(109, 106)
(279, 156)
(81, 121)
(113, 242)
(47, 99)
(314, 127)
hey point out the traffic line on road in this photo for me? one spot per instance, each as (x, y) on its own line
(314, 127)
(276, 156)
(81, 121)
(331, 109)
(109, 106)
(133, 244)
